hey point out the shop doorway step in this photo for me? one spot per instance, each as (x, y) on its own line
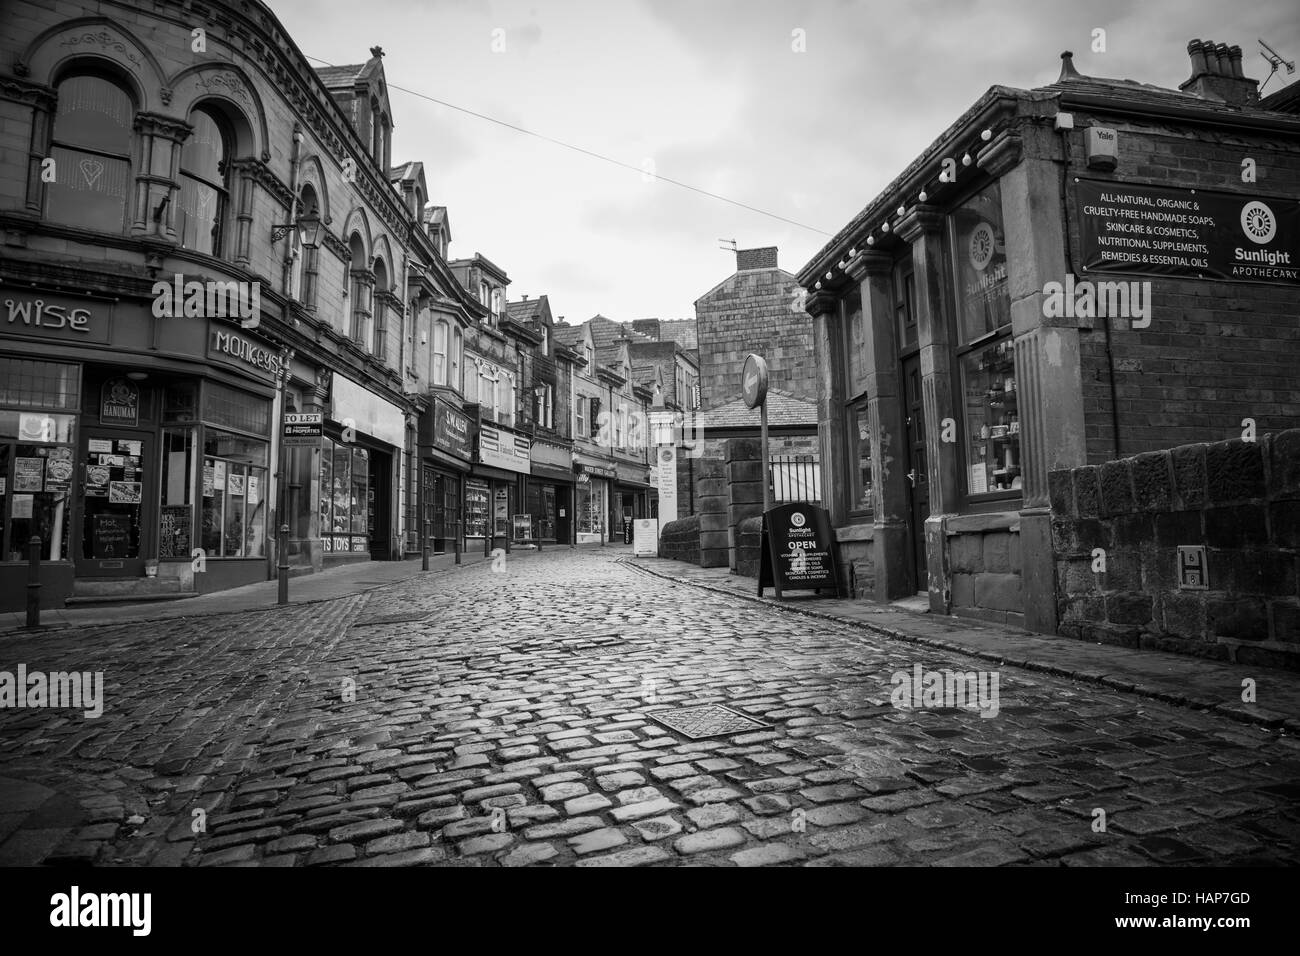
(91, 591)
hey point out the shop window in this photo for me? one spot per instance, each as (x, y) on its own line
(344, 497)
(91, 149)
(234, 495)
(232, 408)
(985, 356)
(860, 454)
(580, 415)
(501, 512)
(33, 384)
(856, 346)
(205, 183)
(179, 477)
(379, 344)
(476, 509)
(36, 495)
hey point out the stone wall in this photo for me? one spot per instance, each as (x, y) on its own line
(749, 538)
(711, 505)
(680, 540)
(744, 486)
(984, 567)
(1240, 500)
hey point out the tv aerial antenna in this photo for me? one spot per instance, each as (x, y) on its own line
(728, 244)
(1275, 60)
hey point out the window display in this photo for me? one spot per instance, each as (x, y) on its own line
(860, 439)
(476, 509)
(344, 498)
(992, 419)
(978, 254)
(234, 488)
(179, 476)
(591, 507)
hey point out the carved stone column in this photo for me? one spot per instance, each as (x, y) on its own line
(894, 573)
(42, 100)
(827, 353)
(157, 177)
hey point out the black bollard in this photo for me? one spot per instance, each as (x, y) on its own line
(424, 547)
(283, 547)
(34, 581)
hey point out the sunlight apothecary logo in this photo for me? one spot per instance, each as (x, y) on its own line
(76, 689)
(221, 300)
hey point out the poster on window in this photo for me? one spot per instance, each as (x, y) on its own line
(254, 491)
(58, 471)
(23, 505)
(34, 427)
(29, 474)
(236, 483)
(209, 481)
(99, 446)
(219, 476)
(124, 492)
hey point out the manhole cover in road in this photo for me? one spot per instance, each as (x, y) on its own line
(713, 720)
(391, 619)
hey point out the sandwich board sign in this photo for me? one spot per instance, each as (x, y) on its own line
(798, 551)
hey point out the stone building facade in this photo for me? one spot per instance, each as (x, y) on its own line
(961, 361)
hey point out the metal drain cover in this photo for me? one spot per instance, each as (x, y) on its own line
(712, 720)
(391, 619)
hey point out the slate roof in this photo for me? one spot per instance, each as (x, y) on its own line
(335, 76)
(606, 331)
(524, 310)
(567, 334)
(783, 409)
(1285, 100)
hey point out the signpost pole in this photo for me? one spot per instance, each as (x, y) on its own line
(767, 463)
(34, 581)
(282, 491)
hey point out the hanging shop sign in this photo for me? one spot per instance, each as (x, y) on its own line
(119, 403)
(1189, 233)
(303, 429)
(798, 551)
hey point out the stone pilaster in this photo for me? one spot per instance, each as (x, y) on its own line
(828, 356)
(922, 226)
(157, 177)
(1048, 367)
(894, 573)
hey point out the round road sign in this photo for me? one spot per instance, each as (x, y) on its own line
(753, 381)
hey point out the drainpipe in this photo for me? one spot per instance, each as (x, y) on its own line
(291, 250)
(1073, 267)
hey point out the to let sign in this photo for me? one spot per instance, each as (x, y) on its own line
(303, 429)
(798, 550)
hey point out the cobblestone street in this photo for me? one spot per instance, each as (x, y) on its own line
(473, 718)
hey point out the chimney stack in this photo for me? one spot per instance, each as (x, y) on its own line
(753, 259)
(1217, 74)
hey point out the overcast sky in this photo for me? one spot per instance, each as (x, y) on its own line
(713, 93)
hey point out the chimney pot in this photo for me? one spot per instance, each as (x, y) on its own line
(1196, 51)
(1234, 56)
(1225, 59)
(1068, 72)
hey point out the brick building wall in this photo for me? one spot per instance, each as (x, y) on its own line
(754, 311)
(1215, 353)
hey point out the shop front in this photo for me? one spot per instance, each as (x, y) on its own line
(446, 453)
(549, 505)
(143, 470)
(629, 502)
(592, 497)
(496, 487)
(359, 454)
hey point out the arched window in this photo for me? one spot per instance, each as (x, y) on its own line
(379, 347)
(307, 205)
(440, 353)
(205, 182)
(360, 281)
(91, 150)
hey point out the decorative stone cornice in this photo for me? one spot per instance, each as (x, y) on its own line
(921, 219)
(1002, 154)
(336, 245)
(155, 124)
(821, 303)
(261, 174)
(869, 263)
(20, 91)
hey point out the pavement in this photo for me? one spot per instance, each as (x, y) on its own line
(510, 714)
